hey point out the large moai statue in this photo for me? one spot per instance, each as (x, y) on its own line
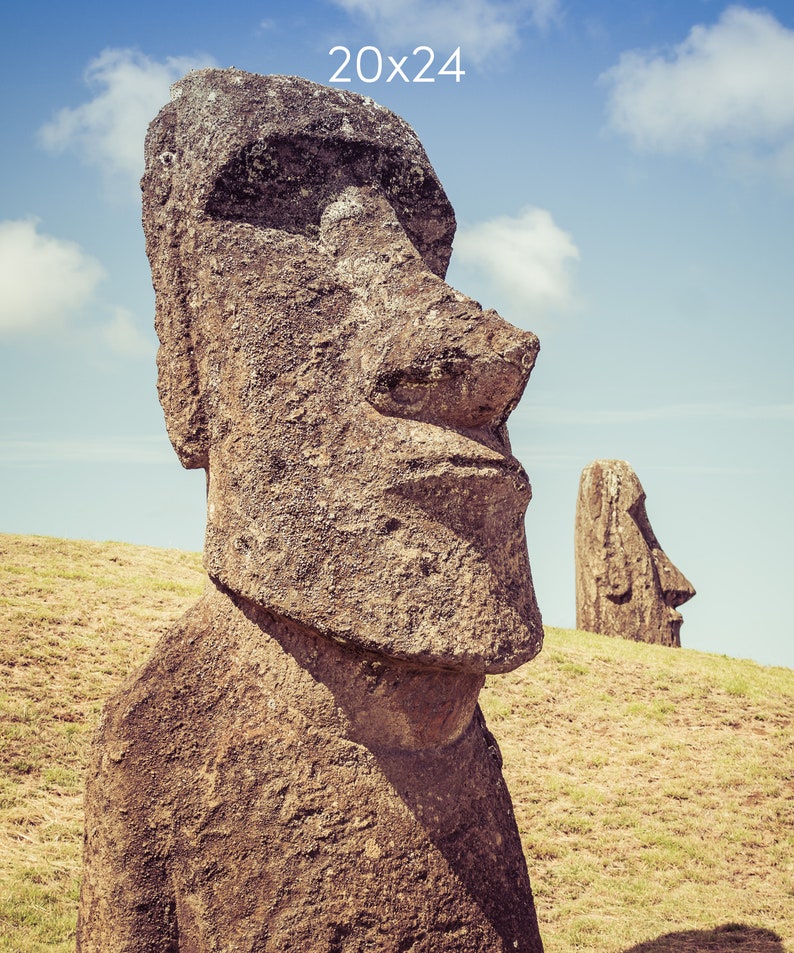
(625, 584)
(302, 765)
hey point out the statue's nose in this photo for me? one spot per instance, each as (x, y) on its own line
(456, 365)
(676, 588)
(438, 356)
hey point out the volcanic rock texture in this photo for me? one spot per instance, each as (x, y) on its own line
(302, 764)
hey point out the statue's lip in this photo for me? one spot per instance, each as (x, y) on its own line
(461, 467)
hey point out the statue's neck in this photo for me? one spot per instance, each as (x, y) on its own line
(375, 700)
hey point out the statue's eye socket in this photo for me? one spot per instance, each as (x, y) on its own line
(288, 184)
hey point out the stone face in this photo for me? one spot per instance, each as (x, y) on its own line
(625, 584)
(302, 764)
(349, 404)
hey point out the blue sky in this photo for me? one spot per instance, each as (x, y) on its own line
(623, 178)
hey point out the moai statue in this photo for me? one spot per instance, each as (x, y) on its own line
(302, 765)
(625, 584)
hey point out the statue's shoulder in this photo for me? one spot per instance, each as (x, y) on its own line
(144, 702)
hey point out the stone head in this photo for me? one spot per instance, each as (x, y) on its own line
(348, 405)
(625, 583)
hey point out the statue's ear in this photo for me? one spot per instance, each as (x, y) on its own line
(180, 397)
(618, 587)
(599, 500)
(178, 383)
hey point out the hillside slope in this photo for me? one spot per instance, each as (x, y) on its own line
(654, 788)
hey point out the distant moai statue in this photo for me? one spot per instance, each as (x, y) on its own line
(625, 584)
(302, 765)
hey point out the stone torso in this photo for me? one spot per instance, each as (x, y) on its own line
(233, 811)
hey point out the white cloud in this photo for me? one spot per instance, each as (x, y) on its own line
(109, 129)
(484, 29)
(42, 279)
(44, 284)
(727, 86)
(528, 259)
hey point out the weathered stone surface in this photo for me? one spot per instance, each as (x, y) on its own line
(302, 764)
(625, 584)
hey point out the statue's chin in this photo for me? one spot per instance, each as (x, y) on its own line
(441, 607)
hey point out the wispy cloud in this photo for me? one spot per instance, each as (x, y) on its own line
(122, 335)
(483, 29)
(108, 130)
(726, 87)
(527, 258)
(688, 412)
(42, 278)
(88, 450)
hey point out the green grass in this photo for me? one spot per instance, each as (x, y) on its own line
(654, 788)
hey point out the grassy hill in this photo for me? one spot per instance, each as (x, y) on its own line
(654, 788)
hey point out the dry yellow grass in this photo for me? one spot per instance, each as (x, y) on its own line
(654, 791)
(654, 788)
(76, 617)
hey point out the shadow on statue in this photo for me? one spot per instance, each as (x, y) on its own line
(728, 938)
